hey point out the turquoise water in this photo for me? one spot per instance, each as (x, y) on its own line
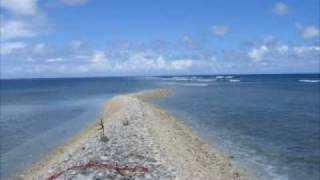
(38, 114)
(268, 122)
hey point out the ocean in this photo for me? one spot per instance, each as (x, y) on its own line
(36, 115)
(268, 123)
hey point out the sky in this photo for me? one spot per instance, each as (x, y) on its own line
(85, 38)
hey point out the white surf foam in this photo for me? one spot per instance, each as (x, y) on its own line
(193, 78)
(219, 77)
(234, 80)
(176, 79)
(205, 80)
(186, 84)
(309, 80)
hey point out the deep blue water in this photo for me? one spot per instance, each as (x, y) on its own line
(270, 123)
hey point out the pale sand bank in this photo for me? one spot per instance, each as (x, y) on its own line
(140, 134)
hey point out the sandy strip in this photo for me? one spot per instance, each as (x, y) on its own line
(139, 134)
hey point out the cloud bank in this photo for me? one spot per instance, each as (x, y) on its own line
(23, 20)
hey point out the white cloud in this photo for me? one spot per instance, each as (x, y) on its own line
(161, 63)
(74, 2)
(306, 49)
(283, 49)
(286, 53)
(220, 30)
(52, 60)
(136, 61)
(181, 64)
(9, 47)
(309, 31)
(98, 57)
(16, 29)
(23, 19)
(20, 7)
(143, 61)
(280, 9)
(257, 54)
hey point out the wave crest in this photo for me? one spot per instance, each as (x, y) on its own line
(309, 80)
(186, 84)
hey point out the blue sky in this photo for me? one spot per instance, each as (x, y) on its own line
(42, 38)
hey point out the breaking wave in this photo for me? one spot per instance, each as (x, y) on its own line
(186, 84)
(234, 80)
(193, 78)
(309, 80)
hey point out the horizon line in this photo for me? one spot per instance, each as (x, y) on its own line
(126, 76)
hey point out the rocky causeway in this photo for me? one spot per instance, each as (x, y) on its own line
(140, 141)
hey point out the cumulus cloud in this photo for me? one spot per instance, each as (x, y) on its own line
(257, 54)
(22, 19)
(134, 62)
(16, 29)
(98, 57)
(308, 32)
(279, 56)
(20, 7)
(220, 30)
(10, 47)
(142, 60)
(41, 59)
(74, 2)
(280, 9)
(181, 64)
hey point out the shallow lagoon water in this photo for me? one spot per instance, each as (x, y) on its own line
(269, 122)
(39, 114)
